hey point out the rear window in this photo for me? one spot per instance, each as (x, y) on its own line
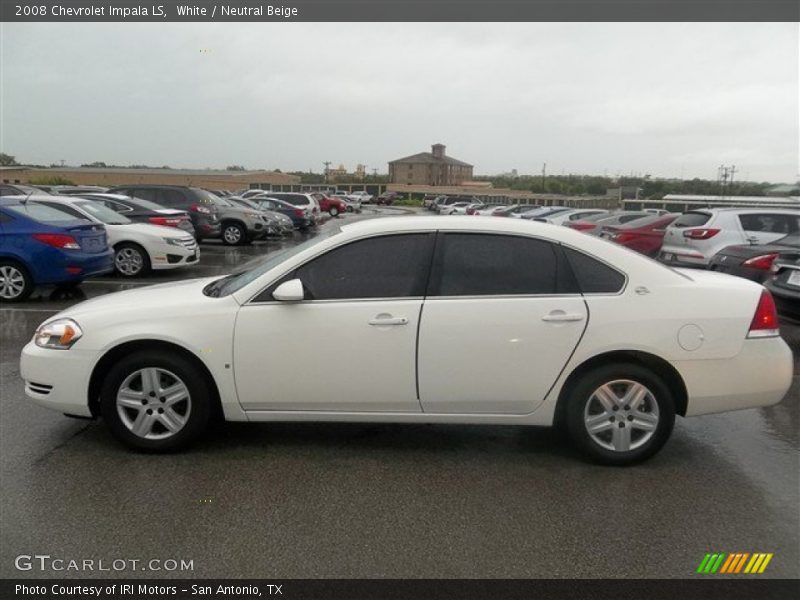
(691, 219)
(594, 277)
(41, 213)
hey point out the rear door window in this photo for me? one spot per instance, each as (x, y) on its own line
(473, 264)
(769, 223)
(594, 277)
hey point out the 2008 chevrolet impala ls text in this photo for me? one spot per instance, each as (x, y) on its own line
(575, 331)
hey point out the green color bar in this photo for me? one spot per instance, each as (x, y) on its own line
(718, 563)
(702, 566)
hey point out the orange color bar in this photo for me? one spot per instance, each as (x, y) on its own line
(741, 562)
(727, 564)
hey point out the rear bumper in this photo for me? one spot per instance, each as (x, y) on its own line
(682, 257)
(90, 265)
(760, 375)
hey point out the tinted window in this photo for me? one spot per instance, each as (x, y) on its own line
(103, 213)
(394, 266)
(143, 193)
(692, 219)
(769, 223)
(593, 276)
(295, 199)
(45, 214)
(63, 208)
(479, 264)
(169, 197)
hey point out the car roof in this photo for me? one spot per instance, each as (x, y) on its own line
(122, 197)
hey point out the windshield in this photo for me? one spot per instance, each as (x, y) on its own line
(40, 213)
(255, 269)
(102, 213)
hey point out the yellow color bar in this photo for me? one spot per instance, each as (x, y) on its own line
(764, 564)
(753, 564)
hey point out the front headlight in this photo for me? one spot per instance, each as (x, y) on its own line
(60, 334)
(173, 241)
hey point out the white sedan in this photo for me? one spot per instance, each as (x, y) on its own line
(578, 333)
(138, 247)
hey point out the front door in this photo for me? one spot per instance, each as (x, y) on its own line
(351, 344)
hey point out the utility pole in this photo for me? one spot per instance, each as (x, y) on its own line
(733, 172)
(327, 164)
(544, 175)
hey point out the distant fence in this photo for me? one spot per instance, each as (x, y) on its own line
(683, 204)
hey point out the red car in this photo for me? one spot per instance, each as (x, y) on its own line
(643, 235)
(333, 206)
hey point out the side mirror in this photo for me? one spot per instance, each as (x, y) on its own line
(289, 291)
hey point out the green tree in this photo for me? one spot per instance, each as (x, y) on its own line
(6, 160)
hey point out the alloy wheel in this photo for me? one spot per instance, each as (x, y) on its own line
(153, 403)
(621, 415)
(233, 234)
(12, 282)
(129, 261)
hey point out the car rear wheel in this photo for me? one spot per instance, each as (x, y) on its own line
(620, 414)
(155, 401)
(131, 260)
(234, 234)
(16, 284)
(333, 211)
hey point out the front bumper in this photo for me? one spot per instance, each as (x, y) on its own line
(58, 379)
(760, 375)
(166, 256)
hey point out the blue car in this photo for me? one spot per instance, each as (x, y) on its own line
(40, 245)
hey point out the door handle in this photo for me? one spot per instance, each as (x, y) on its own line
(558, 316)
(381, 320)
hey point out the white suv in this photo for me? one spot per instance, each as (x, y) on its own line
(696, 236)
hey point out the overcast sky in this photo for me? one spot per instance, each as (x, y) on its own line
(665, 99)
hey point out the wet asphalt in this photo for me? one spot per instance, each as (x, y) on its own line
(364, 500)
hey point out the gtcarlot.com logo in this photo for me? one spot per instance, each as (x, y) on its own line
(734, 563)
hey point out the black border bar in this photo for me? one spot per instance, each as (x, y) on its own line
(705, 587)
(401, 10)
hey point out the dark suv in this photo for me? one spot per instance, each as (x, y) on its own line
(200, 204)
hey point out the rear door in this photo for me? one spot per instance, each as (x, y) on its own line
(767, 227)
(501, 319)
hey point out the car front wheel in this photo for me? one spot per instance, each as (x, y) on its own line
(131, 260)
(155, 401)
(333, 211)
(620, 414)
(234, 234)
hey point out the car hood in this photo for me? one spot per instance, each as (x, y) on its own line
(152, 298)
(238, 210)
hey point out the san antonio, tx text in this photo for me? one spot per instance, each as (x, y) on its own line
(60, 589)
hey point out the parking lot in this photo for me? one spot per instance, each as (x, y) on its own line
(380, 500)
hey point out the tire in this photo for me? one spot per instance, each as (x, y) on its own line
(131, 260)
(16, 283)
(234, 234)
(350, 209)
(333, 211)
(188, 416)
(625, 433)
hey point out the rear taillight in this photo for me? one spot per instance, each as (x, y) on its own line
(765, 321)
(760, 262)
(700, 234)
(622, 238)
(580, 226)
(299, 212)
(57, 240)
(166, 221)
(199, 209)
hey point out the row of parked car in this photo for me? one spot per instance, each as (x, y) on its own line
(760, 244)
(62, 235)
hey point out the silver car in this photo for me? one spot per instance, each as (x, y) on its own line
(696, 236)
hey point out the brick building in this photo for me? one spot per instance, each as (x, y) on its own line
(430, 168)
